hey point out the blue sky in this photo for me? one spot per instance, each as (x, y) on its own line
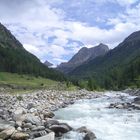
(55, 30)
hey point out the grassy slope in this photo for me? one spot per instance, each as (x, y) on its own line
(19, 83)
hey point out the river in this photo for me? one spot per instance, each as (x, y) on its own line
(107, 124)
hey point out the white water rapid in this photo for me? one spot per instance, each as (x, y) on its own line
(107, 124)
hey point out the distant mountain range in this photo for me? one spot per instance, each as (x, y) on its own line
(91, 68)
(118, 68)
(14, 58)
(84, 55)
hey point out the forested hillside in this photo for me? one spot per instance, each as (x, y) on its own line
(15, 59)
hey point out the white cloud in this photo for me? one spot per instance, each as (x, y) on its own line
(34, 24)
(59, 60)
(126, 2)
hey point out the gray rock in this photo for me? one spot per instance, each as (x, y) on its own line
(20, 136)
(30, 105)
(38, 128)
(137, 100)
(49, 115)
(50, 136)
(119, 106)
(28, 125)
(60, 129)
(89, 136)
(35, 120)
(19, 111)
(82, 129)
(5, 134)
(19, 129)
(37, 134)
(4, 125)
(18, 123)
(50, 122)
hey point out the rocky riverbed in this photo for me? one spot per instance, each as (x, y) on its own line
(30, 116)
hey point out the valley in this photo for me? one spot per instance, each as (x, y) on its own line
(68, 80)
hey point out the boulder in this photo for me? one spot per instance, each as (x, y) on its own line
(18, 113)
(37, 134)
(38, 128)
(50, 136)
(120, 106)
(18, 123)
(50, 122)
(60, 129)
(4, 125)
(89, 136)
(82, 129)
(28, 125)
(19, 136)
(48, 115)
(30, 105)
(35, 120)
(5, 134)
(137, 100)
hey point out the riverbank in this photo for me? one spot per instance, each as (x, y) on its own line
(29, 116)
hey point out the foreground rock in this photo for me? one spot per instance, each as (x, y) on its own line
(89, 135)
(19, 136)
(5, 134)
(30, 116)
(50, 136)
(137, 100)
(60, 129)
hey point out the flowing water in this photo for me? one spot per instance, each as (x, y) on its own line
(107, 124)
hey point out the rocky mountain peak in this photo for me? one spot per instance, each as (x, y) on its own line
(47, 63)
(82, 56)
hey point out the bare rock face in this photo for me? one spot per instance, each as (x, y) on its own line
(83, 56)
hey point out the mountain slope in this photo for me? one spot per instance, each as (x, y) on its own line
(14, 58)
(109, 70)
(83, 55)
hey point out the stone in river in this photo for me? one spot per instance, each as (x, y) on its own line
(50, 136)
(137, 100)
(50, 122)
(89, 136)
(60, 129)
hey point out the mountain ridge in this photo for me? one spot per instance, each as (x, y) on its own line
(15, 59)
(113, 65)
(83, 56)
